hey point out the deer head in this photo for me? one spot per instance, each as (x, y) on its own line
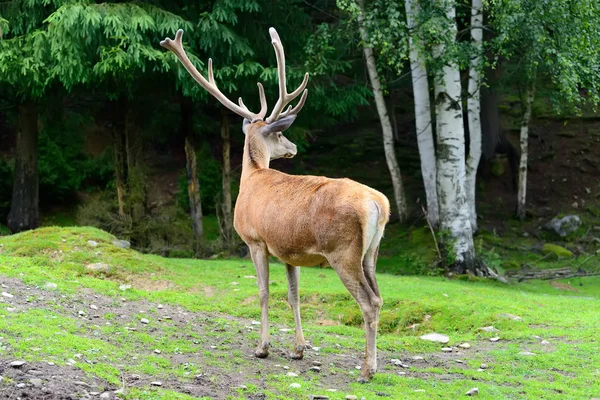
(264, 133)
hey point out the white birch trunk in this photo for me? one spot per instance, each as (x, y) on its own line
(451, 169)
(474, 110)
(386, 126)
(422, 115)
(522, 192)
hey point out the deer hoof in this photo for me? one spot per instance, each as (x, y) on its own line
(366, 375)
(298, 352)
(262, 351)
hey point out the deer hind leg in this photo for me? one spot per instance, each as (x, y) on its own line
(293, 276)
(350, 270)
(261, 264)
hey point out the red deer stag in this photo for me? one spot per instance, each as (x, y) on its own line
(302, 220)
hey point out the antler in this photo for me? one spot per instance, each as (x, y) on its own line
(284, 97)
(210, 86)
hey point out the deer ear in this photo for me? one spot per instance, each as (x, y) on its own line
(278, 126)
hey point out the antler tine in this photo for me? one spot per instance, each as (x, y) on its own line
(175, 45)
(263, 103)
(297, 108)
(284, 96)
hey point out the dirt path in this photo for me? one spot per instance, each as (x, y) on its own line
(224, 351)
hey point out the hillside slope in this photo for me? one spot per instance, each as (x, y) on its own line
(154, 328)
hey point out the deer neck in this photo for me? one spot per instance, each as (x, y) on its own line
(256, 155)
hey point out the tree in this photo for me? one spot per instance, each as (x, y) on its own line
(25, 76)
(112, 47)
(451, 170)
(555, 40)
(358, 11)
(386, 126)
(423, 123)
(474, 108)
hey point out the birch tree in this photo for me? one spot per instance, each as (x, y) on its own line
(386, 126)
(557, 39)
(474, 109)
(424, 130)
(451, 169)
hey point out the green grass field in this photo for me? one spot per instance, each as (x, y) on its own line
(558, 322)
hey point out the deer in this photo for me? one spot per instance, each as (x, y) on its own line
(301, 220)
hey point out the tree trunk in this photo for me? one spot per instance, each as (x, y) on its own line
(120, 157)
(191, 169)
(522, 191)
(386, 126)
(137, 204)
(226, 221)
(424, 129)
(451, 170)
(24, 207)
(474, 110)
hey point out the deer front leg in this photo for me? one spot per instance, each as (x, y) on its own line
(293, 276)
(261, 264)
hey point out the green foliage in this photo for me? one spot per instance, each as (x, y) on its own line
(559, 39)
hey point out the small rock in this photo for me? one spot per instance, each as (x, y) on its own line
(255, 322)
(17, 364)
(37, 382)
(315, 369)
(159, 306)
(50, 285)
(295, 386)
(483, 366)
(119, 391)
(545, 342)
(105, 395)
(357, 367)
(144, 321)
(460, 361)
(156, 383)
(50, 363)
(316, 349)
(157, 351)
(511, 316)
(351, 397)
(284, 330)
(317, 363)
(464, 346)
(123, 288)
(92, 243)
(399, 363)
(286, 367)
(436, 337)
(21, 385)
(35, 372)
(135, 377)
(494, 339)
(417, 358)
(98, 267)
(81, 313)
(527, 353)
(243, 387)
(94, 307)
(7, 295)
(123, 244)
(292, 374)
(480, 370)
(472, 392)
(419, 390)
(81, 383)
(446, 349)
(565, 225)
(332, 390)
(488, 329)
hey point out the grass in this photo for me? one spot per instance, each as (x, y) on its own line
(564, 314)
